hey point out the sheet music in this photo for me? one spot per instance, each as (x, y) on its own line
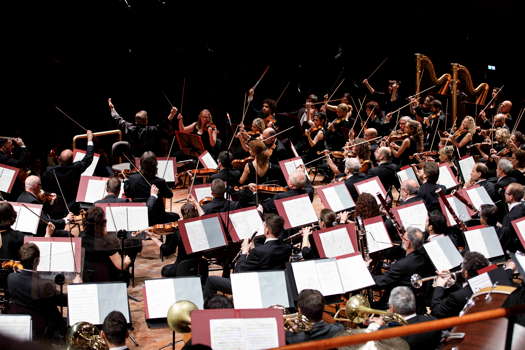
(45, 255)
(6, 177)
(160, 294)
(91, 168)
(371, 187)
(414, 215)
(18, 327)
(328, 275)
(336, 242)
(479, 282)
(338, 197)
(485, 241)
(246, 223)
(243, 334)
(407, 174)
(354, 273)
(201, 192)
(443, 253)
(246, 290)
(26, 221)
(197, 235)
(213, 229)
(291, 166)
(83, 304)
(116, 218)
(466, 165)
(377, 237)
(479, 196)
(208, 161)
(113, 297)
(96, 190)
(304, 276)
(62, 259)
(299, 211)
(137, 218)
(446, 178)
(165, 169)
(460, 209)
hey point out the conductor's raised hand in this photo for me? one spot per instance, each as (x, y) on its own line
(173, 113)
(89, 135)
(110, 104)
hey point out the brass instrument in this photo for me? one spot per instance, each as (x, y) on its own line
(296, 323)
(481, 91)
(423, 62)
(358, 310)
(179, 318)
(84, 336)
(417, 281)
(116, 132)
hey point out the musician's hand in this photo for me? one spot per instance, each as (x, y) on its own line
(50, 229)
(173, 113)
(365, 81)
(127, 261)
(252, 187)
(368, 262)
(77, 279)
(343, 216)
(89, 135)
(70, 217)
(511, 265)
(325, 96)
(251, 92)
(388, 116)
(110, 104)
(443, 279)
(306, 231)
(179, 116)
(483, 115)
(245, 246)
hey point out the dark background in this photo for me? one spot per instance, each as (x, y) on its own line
(76, 54)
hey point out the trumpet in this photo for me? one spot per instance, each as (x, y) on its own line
(358, 310)
(417, 281)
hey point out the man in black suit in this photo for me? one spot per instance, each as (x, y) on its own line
(10, 240)
(516, 209)
(273, 254)
(503, 172)
(409, 192)
(403, 302)
(352, 167)
(311, 303)
(115, 331)
(427, 191)
(30, 294)
(385, 170)
(9, 155)
(450, 302)
(68, 174)
(113, 186)
(219, 203)
(226, 173)
(138, 187)
(478, 176)
(298, 186)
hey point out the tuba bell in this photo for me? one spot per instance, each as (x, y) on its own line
(84, 336)
(358, 310)
(179, 318)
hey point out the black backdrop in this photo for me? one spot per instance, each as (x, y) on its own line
(75, 54)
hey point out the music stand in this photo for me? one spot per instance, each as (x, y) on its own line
(190, 144)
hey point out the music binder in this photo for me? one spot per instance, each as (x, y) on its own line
(58, 254)
(19, 327)
(227, 329)
(335, 196)
(200, 192)
(259, 289)
(202, 233)
(125, 216)
(166, 168)
(336, 241)
(8, 176)
(92, 302)
(78, 155)
(443, 254)
(207, 161)
(519, 227)
(406, 173)
(372, 186)
(446, 177)
(296, 211)
(242, 223)
(466, 163)
(484, 239)
(477, 196)
(413, 214)
(377, 237)
(161, 293)
(190, 144)
(289, 166)
(462, 211)
(93, 188)
(26, 221)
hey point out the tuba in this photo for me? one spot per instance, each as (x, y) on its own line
(358, 310)
(424, 63)
(179, 316)
(84, 336)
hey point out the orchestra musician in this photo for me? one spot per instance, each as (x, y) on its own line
(327, 218)
(10, 240)
(410, 145)
(337, 130)
(205, 128)
(226, 173)
(463, 136)
(353, 175)
(260, 170)
(298, 185)
(267, 112)
(409, 192)
(11, 155)
(257, 127)
(315, 136)
(385, 169)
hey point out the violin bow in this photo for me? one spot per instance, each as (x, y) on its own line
(377, 68)
(61, 192)
(518, 120)
(137, 169)
(193, 182)
(492, 99)
(282, 93)
(173, 139)
(167, 99)
(279, 133)
(38, 216)
(73, 120)
(335, 90)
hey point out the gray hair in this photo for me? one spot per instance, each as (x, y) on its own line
(352, 165)
(416, 237)
(218, 187)
(402, 301)
(411, 186)
(385, 152)
(505, 165)
(298, 178)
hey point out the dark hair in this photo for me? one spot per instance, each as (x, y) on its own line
(366, 206)
(520, 158)
(218, 302)
(148, 164)
(515, 190)
(141, 118)
(436, 103)
(225, 159)
(275, 224)
(519, 137)
(95, 221)
(472, 262)
(311, 303)
(328, 217)
(313, 98)
(113, 185)
(431, 171)
(189, 211)
(438, 222)
(271, 104)
(482, 169)
(7, 214)
(362, 150)
(490, 213)
(115, 328)
(29, 252)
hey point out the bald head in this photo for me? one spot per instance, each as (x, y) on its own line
(505, 106)
(499, 120)
(370, 133)
(298, 179)
(32, 184)
(267, 135)
(66, 157)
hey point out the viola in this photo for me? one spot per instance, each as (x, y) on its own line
(424, 154)
(205, 200)
(365, 166)
(240, 163)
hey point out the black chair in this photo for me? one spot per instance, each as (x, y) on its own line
(118, 150)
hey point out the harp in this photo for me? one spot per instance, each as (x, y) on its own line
(480, 92)
(423, 63)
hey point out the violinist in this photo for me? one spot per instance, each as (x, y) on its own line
(205, 128)
(113, 186)
(518, 162)
(258, 126)
(421, 111)
(333, 108)
(376, 119)
(463, 136)
(298, 185)
(219, 203)
(260, 170)
(315, 136)
(337, 130)
(307, 112)
(479, 176)
(267, 112)
(434, 122)
(389, 99)
(370, 134)
(446, 156)
(385, 170)
(275, 149)
(226, 173)
(11, 155)
(410, 145)
(353, 175)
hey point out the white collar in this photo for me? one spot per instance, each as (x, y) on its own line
(410, 316)
(512, 205)
(270, 239)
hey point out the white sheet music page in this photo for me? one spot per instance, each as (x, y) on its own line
(113, 297)
(165, 169)
(91, 168)
(243, 333)
(160, 294)
(62, 259)
(45, 255)
(137, 218)
(246, 223)
(16, 326)
(414, 215)
(26, 221)
(407, 174)
(82, 300)
(246, 290)
(197, 235)
(446, 178)
(478, 196)
(466, 165)
(338, 197)
(6, 177)
(116, 218)
(208, 161)
(299, 211)
(354, 273)
(460, 209)
(328, 275)
(201, 192)
(304, 275)
(292, 166)
(336, 242)
(96, 190)
(443, 253)
(377, 237)
(479, 282)
(485, 241)
(371, 187)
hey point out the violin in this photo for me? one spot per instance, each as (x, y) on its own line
(46, 197)
(396, 137)
(365, 166)
(240, 163)
(335, 154)
(205, 200)
(269, 120)
(12, 265)
(424, 154)
(205, 171)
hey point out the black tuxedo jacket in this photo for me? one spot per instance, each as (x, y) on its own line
(111, 198)
(427, 191)
(506, 233)
(320, 330)
(416, 198)
(11, 242)
(28, 197)
(269, 204)
(421, 341)
(401, 271)
(449, 302)
(272, 255)
(387, 174)
(218, 205)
